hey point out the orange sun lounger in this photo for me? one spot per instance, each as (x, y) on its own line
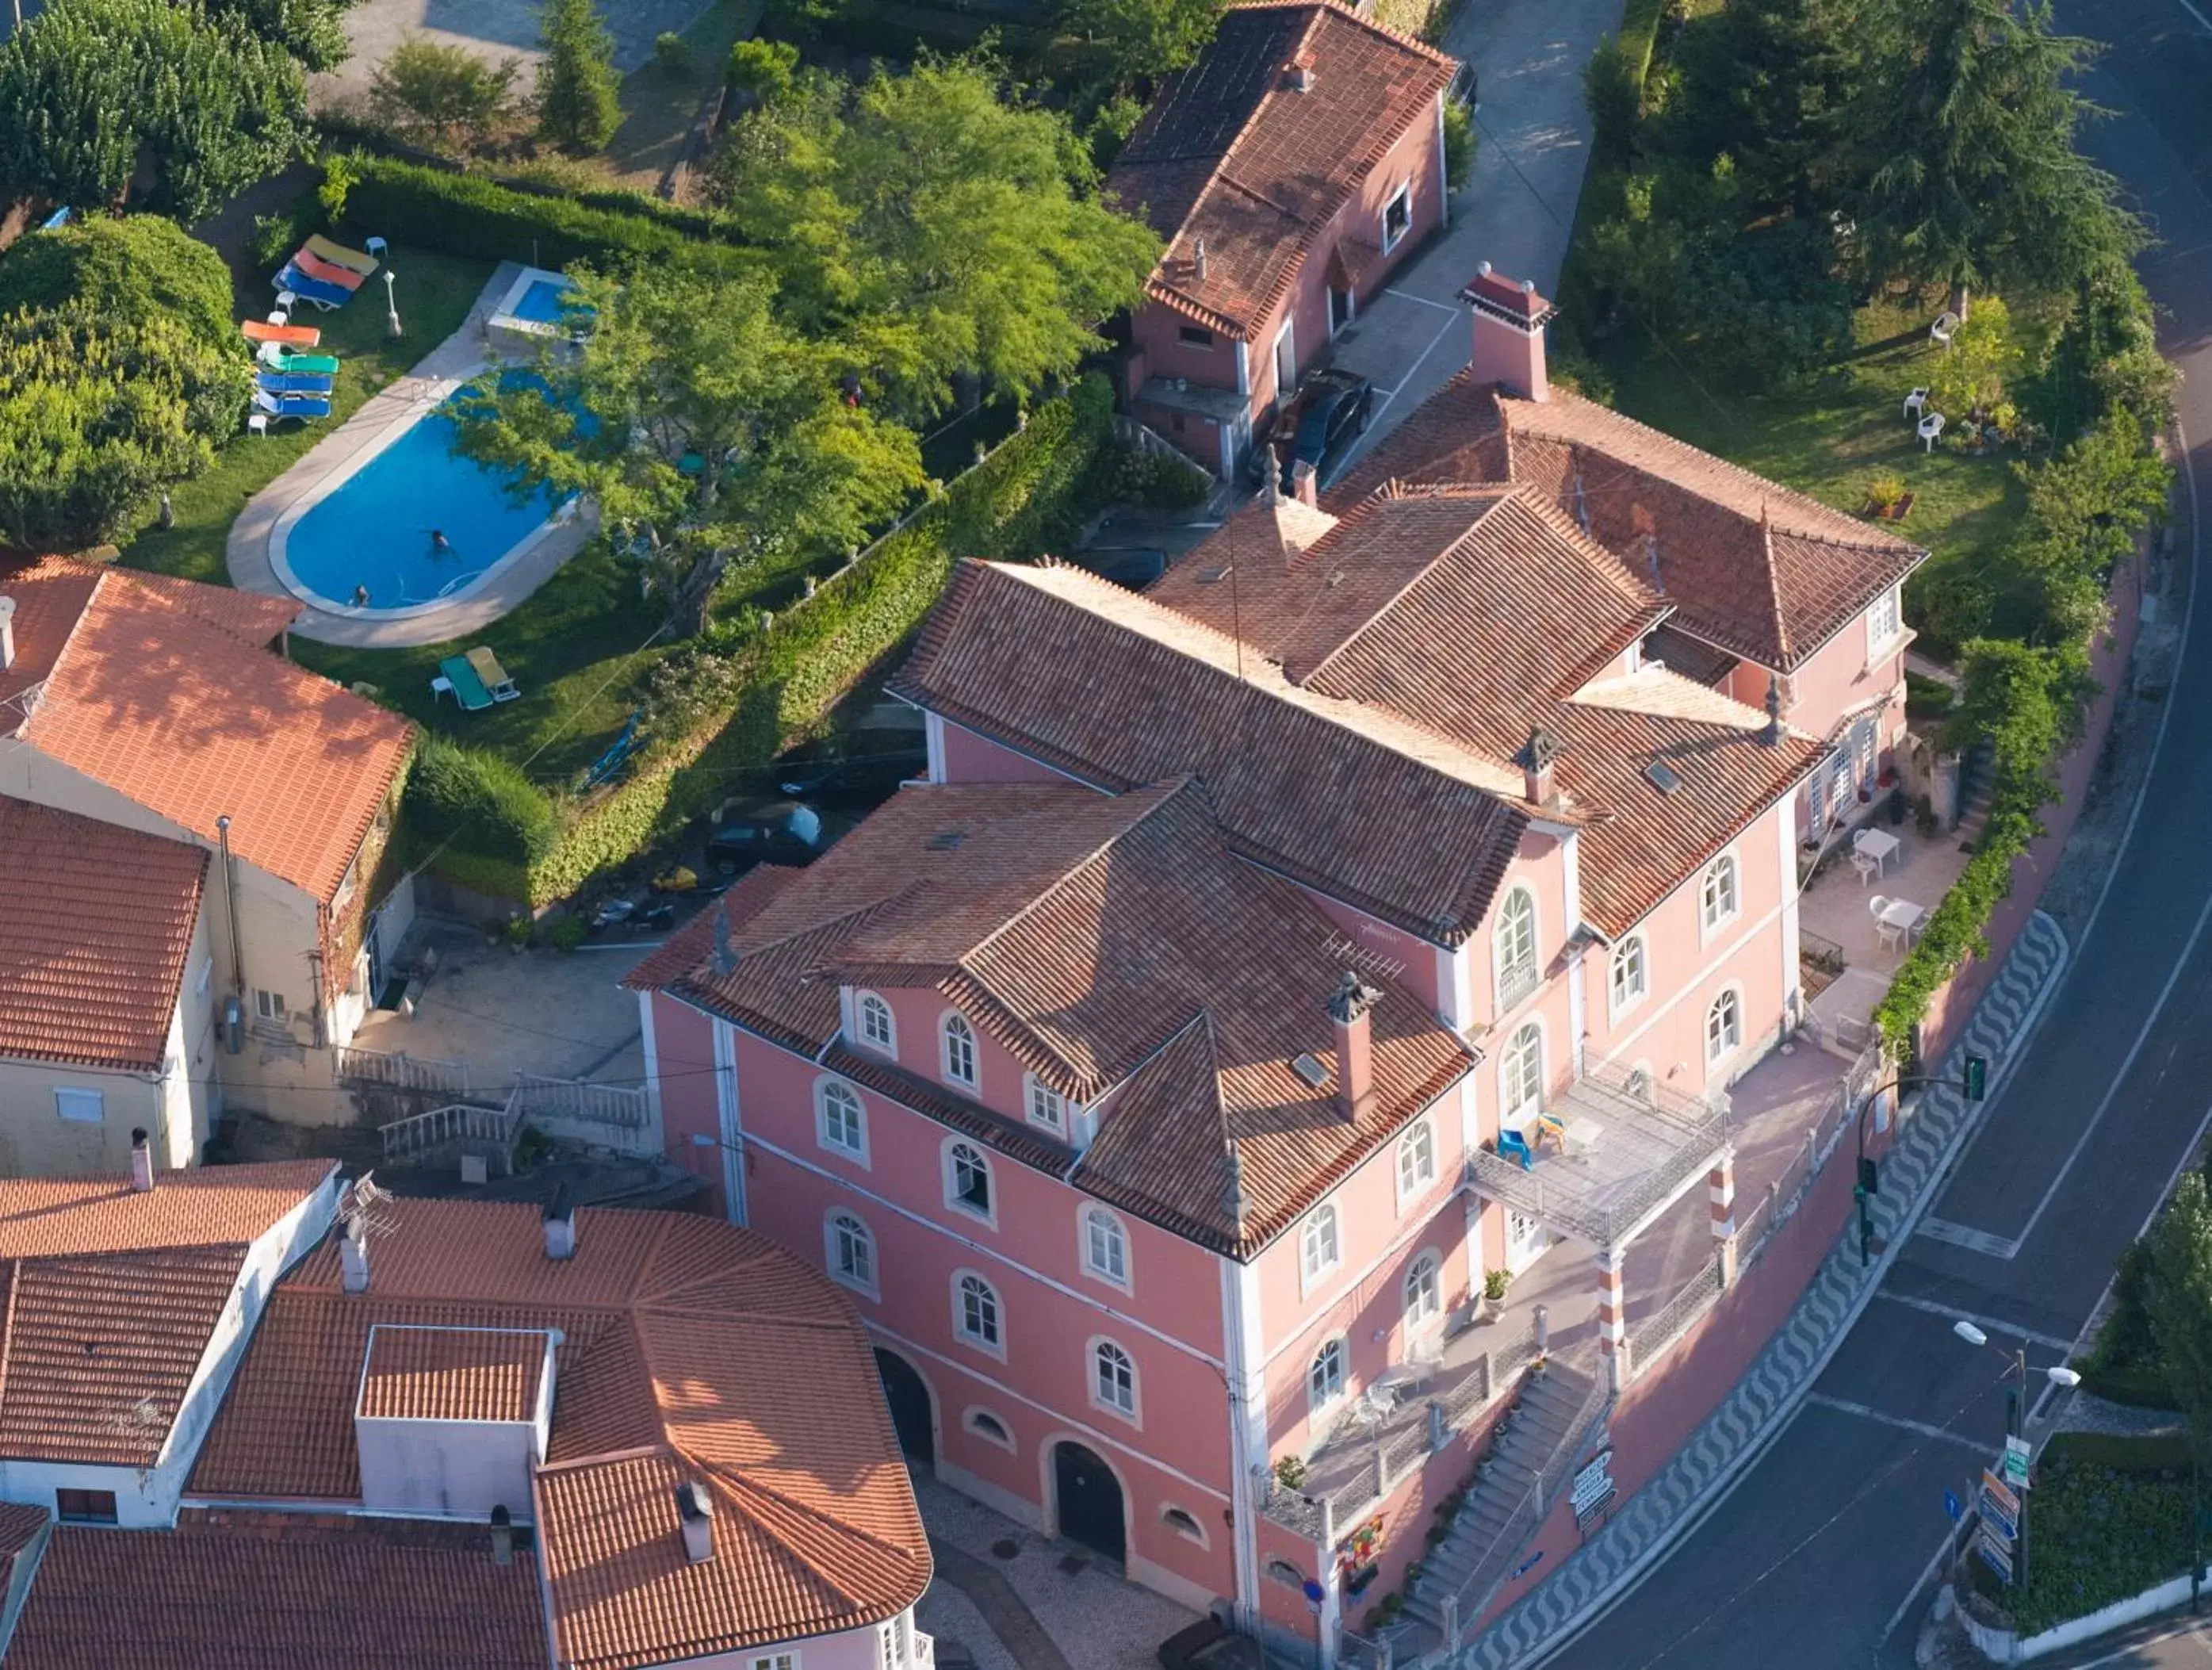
(293, 336)
(329, 271)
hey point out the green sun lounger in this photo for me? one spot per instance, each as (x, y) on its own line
(458, 678)
(293, 365)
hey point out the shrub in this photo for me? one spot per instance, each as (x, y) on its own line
(125, 267)
(671, 54)
(578, 94)
(431, 90)
(1926, 697)
(1459, 144)
(471, 804)
(763, 68)
(1887, 492)
(566, 931)
(1612, 87)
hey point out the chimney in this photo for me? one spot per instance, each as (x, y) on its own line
(7, 633)
(1198, 259)
(726, 955)
(1305, 483)
(1348, 1006)
(1302, 72)
(353, 1255)
(695, 1513)
(142, 1161)
(1773, 734)
(1536, 758)
(1509, 333)
(503, 1536)
(560, 1225)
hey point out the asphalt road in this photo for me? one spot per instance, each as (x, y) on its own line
(1815, 1559)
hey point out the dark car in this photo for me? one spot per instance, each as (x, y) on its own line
(1134, 567)
(1210, 1644)
(749, 832)
(1334, 415)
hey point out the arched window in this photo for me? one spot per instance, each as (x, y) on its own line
(968, 1179)
(878, 1031)
(1047, 1107)
(1317, 1243)
(1424, 1300)
(840, 1123)
(960, 1051)
(1283, 1572)
(1113, 1378)
(1630, 979)
(976, 1313)
(1183, 1523)
(851, 1252)
(986, 1425)
(1105, 1247)
(1719, 893)
(1515, 946)
(1724, 1026)
(1325, 1377)
(1521, 1077)
(1417, 1159)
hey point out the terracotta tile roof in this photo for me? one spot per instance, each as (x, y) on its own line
(690, 1350)
(1121, 692)
(256, 616)
(146, 689)
(1754, 569)
(415, 1372)
(236, 1591)
(1096, 936)
(1230, 154)
(95, 929)
(62, 1217)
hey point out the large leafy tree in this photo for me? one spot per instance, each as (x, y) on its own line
(579, 104)
(704, 428)
(172, 108)
(2178, 1294)
(935, 227)
(122, 266)
(1144, 40)
(97, 413)
(311, 31)
(442, 93)
(1964, 140)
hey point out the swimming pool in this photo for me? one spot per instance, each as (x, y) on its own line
(375, 529)
(541, 302)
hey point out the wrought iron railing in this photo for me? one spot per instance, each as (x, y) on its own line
(1494, 1564)
(1648, 1338)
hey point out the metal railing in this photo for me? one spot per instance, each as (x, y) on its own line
(455, 1123)
(616, 1105)
(403, 1072)
(1649, 1338)
(1494, 1564)
(1824, 1134)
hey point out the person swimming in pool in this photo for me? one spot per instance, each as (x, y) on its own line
(360, 597)
(440, 543)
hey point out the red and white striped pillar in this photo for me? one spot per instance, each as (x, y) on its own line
(1613, 1315)
(1720, 1190)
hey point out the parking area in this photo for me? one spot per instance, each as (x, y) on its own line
(491, 29)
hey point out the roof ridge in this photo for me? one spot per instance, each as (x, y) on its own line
(603, 1457)
(1773, 582)
(732, 1475)
(8, 1325)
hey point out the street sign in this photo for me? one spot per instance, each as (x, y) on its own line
(1999, 1555)
(1996, 1489)
(1951, 1506)
(1594, 1482)
(2015, 1462)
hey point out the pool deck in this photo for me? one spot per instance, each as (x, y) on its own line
(423, 387)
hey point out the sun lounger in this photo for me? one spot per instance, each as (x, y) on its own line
(297, 336)
(291, 405)
(275, 357)
(494, 675)
(609, 764)
(460, 678)
(338, 255)
(294, 283)
(285, 382)
(329, 271)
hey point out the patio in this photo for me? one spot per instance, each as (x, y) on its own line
(1847, 958)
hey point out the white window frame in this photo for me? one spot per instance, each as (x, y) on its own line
(1085, 1215)
(1404, 193)
(1514, 1112)
(1732, 996)
(1325, 1392)
(68, 1096)
(1501, 966)
(985, 1295)
(1417, 1143)
(947, 1038)
(1428, 1259)
(1711, 919)
(834, 1236)
(777, 1660)
(825, 1087)
(1619, 1003)
(269, 1006)
(954, 1146)
(866, 1005)
(1044, 1106)
(1180, 1521)
(1094, 1351)
(1321, 1246)
(1885, 625)
(971, 1420)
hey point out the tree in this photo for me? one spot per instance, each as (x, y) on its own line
(1613, 89)
(98, 413)
(765, 69)
(1777, 79)
(2177, 1292)
(1979, 363)
(2087, 506)
(1144, 40)
(122, 266)
(702, 425)
(933, 229)
(579, 105)
(311, 31)
(1964, 139)
(427, 87)
(179, 110)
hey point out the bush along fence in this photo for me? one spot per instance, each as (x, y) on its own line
(724, 713)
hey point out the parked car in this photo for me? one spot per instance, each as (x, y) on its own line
(1134, 567)
(1210, 1644)
(1335, 414)
(749, 832)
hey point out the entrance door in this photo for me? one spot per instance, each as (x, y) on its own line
(1525, 1240)
(908, 1394)
(1286, 365)
(1089, 1499)
(1340, 310)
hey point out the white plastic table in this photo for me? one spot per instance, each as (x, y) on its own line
(1873, 844)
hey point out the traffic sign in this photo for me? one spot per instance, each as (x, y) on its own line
(1951, 1506)
(1594, 1484)
(2015, 1462)
(1996, 1489)
(1999, 1555)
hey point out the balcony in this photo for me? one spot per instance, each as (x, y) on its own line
(1630, 1147)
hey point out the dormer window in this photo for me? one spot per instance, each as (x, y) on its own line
(879, 1030)
(1047, 1107)
(960, 1051)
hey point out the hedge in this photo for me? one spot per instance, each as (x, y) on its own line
(1028, 497)
(2121, 1452)
(127, 266)
(484, 821)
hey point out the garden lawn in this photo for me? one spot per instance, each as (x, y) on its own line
(1832, 439)
(434, 293)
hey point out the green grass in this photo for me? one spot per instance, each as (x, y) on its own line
(658, 107)
(434, 293)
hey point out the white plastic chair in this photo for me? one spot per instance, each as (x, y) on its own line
(1915, 403)
(1947, 323)
(1931, 427)
(258, 424)
(1866, 864)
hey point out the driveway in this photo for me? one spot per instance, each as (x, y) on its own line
(1533, 140)
(492, 29)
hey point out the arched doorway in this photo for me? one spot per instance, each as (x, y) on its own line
(1089, 1500)
(912, 1412)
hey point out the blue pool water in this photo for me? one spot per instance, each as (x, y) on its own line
(374, 529)
(541, 302)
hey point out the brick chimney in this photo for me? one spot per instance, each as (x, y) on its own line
(1348, 1006)
(695, 1514)
(7, 633)
(1305, 483)
(1509, 333)
(1302, 73)
(353, 1255)
(1536, 759)
(503, 1536)
(560, 1216)
(142, 1163)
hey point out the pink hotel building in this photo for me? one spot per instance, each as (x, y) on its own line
(1154, 1074)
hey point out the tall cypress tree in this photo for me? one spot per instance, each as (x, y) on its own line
(578, 102)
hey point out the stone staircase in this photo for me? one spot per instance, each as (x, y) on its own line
(1531, 1456)
(1976, 777)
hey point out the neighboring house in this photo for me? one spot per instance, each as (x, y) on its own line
(469, 1433)
(106, 998)
(167, 707)
(1291, 169)
(1037, 1062)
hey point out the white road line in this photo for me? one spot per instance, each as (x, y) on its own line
(1845, 1406)
(2131, 1654)
(2199, 16)
(1439, 306)
(1986, 1324)
(1974, 1240)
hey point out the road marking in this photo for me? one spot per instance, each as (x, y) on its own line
(1986, 1324)
(1409, 296)
(1371, 434)
(1974, 1240)
(2132, 1654)
(2199, 16)
(1845, 1406)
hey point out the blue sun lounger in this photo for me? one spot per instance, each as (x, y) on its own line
(295, 382)
(326, 296)
(292, 405)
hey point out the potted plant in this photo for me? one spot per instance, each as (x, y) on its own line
(1494, 1283)
(1290, 1473)
(1887, 499)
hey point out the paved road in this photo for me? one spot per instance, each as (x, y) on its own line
(1815, 1559)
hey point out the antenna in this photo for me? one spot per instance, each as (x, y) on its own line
(366, 1205)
